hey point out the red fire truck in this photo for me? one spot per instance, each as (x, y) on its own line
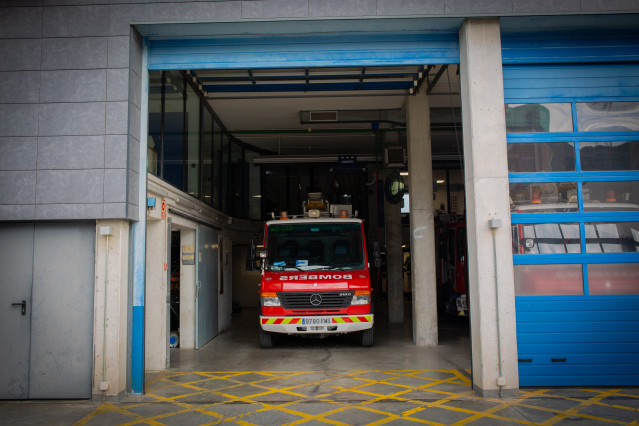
(452, 272)
(315, 278)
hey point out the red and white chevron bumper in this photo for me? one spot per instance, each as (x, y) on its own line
(317, 324)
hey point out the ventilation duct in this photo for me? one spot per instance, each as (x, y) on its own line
(322, 116)
(396, 117)
(395, 156)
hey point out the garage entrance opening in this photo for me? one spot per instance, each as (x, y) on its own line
(254, 143)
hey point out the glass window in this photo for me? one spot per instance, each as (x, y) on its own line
(611, 196)
(298, 185)
(224, 181)
(207, 156)
(608, 116)
(541, 157)
(154, 137)
(536, 197)
(620, 237)
(546, 238)
(217, 164)
(315, 247)
(173, 149)
(275, 198)
(236, 176)
(255, 195)
(603, 156)
(548, 280)
(551, 117)
(613, 278)
(192, 142)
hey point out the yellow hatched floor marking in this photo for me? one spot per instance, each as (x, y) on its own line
(575, 411)
(289, 392)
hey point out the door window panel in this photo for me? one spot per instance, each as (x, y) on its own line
(608, 116)
(541, 157)
(546, 238)
(548, 280)
(543, 197)
(613, 278)
(609, 155)
(550, 117)
(611, 196)
(620, 237)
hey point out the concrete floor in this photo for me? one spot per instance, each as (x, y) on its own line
(329, 381)
(238, 349)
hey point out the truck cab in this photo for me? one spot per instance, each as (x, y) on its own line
(315, 278)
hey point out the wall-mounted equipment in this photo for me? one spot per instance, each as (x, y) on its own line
(395, 156)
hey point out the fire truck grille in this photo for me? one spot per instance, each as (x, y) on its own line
(316, 299)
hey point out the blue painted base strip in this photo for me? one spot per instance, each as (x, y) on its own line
(137, 351)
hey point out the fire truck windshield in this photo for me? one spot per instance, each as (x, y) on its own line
(314, 246)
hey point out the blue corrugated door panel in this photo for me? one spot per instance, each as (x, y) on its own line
(578, 341)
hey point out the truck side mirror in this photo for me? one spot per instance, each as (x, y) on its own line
(377, 255)
(251, 265)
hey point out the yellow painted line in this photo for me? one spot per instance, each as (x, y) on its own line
(397, 384)
(576, 411)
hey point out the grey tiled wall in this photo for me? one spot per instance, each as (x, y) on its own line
(70, 112)
(70, 87)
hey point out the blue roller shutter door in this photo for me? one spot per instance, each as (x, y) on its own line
(576, 253)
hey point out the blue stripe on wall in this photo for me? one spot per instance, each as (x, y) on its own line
(137, 362)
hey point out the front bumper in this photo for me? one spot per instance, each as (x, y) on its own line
(317, 324)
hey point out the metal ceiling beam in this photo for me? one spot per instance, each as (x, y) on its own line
(306, 87)
(431, 84)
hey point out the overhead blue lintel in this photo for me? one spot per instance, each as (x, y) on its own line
(316, 50)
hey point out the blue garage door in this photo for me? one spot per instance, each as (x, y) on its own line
(573, 157)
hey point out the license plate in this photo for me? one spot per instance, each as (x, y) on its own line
(316, 321)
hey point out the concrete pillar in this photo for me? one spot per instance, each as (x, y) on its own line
(111, 321)
(422, 225)
(156, 349)
(394, 262)
(494, 345)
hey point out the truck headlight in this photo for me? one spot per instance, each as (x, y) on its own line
(270, 299)
(361, 298)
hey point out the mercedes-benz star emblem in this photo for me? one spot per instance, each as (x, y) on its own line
(316, 299)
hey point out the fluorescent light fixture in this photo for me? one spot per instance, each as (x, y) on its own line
(441, 181)
(403, 173)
